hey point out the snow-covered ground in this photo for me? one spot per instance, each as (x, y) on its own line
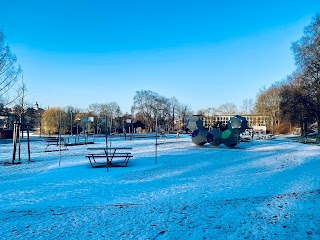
(268, 189)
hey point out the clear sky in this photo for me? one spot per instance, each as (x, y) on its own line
(204, 53)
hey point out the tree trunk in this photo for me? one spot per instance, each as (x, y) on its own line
(301, 127)
(318, 136)
(305, 127)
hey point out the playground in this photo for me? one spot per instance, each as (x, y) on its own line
(265, 189)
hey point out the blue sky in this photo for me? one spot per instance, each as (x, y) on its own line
(204, 53)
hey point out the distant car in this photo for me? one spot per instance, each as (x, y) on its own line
(313, 133)
(245, 138)
(269, 136)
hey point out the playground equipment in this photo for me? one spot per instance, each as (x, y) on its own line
(61, 142)
(229, 137)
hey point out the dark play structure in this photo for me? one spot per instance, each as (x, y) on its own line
(228, 135)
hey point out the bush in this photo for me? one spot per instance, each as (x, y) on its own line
(283, 128)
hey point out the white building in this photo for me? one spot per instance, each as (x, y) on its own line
(257, 122)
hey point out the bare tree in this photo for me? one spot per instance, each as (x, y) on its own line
(21, 104)
(149, 106)
(206, 111)
(247, 106)
(202, 112)
(268, 104)
(95, 108)
(174, 105)
(227, 108)
(111, 111)
(307, 57)
(71, 113)
(9, 72)
(294, 103)
(146, 105)
(184, 112)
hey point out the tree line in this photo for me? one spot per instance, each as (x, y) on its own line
(105, 117)
(148, 107)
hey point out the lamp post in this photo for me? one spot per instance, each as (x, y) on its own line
(71, 123)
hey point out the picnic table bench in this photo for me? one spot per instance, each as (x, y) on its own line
(49, 141)
(108, 155)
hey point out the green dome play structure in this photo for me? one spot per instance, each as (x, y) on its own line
(229, 137)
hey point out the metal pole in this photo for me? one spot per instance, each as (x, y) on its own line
(28, 135)
(111, 125)
(97, 125)
(40, 124)
(77, 136)
(20, 141)
(156, 152)
(110, 129)
(106, 130)
(305, 129)
(71, 124)
(60, 139)
(84, 129)
(173, 119)
(107, 152)
(14, 142)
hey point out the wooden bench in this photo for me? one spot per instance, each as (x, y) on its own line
(109, 157)
(54, 141)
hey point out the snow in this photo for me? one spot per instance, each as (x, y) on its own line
(268, 189)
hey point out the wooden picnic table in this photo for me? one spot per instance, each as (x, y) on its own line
(54, 141)
(109, 153)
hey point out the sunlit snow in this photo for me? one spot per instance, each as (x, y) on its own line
(268, 189)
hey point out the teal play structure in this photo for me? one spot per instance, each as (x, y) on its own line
(228, 135)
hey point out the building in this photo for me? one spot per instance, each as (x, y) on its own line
(257, 122)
